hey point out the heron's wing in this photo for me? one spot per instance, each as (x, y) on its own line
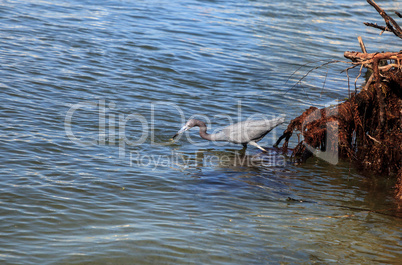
(220, 136)
(250, 130)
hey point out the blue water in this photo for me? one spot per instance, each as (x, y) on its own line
(93, 91)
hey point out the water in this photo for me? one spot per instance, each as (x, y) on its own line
(92, 92)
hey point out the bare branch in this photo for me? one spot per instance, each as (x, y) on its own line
(376, 26)
(389, 21)
(362, 46)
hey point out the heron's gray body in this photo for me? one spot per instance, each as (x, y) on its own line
(245, 132)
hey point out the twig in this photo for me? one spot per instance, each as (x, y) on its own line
(309, 71)
(300, 67)
(372, 138)
(347, 69)
(377, 26)
(362, 46)
(347, 74)
(360, 73)
(369, 81)
(323, 85)
(388, 66)
(364, 50)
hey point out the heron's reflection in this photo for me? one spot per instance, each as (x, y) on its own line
(236, 159)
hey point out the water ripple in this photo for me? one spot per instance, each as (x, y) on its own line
(147, 66)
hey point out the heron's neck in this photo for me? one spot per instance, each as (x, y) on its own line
(204, 134)
(203, 130)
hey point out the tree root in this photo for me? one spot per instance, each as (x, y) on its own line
(361, 136)
(367, 128)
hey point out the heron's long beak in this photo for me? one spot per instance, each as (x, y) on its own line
(182, 130)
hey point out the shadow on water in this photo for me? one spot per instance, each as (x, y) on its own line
(278, 176)
(240, 159)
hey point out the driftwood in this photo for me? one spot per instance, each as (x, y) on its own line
(369, 123)
(371, 61)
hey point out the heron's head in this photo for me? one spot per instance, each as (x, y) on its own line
(189, 124)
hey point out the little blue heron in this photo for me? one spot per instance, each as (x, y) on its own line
(245, 132)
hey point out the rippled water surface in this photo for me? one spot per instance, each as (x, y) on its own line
(92, 91)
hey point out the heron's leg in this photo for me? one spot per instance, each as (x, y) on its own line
(243, 150)
(256, 145)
